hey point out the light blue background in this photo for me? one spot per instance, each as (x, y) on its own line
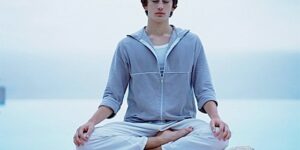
(63, 48)
(55, 57)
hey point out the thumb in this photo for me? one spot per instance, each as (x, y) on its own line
(89, 131)
(213, 126)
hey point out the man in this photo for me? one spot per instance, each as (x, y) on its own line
(164, 67)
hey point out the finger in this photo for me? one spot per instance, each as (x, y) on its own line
(217, 131)
(222, 126)
(84, 137)
(80, 141)
(81, 133)
(228, 135)
(215, 127)
(76, 139)
(221, 131)
(225, 134)
(88, 132)
(212, 126)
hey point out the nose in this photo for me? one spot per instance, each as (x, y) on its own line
(160, 5)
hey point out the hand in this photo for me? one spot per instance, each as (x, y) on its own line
(82, 133)
(220, 129)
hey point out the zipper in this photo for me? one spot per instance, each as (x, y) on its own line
(161, 72)
(161, 95)
(161, 76)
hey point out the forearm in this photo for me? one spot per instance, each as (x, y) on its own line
(102, 113)
(211, 108)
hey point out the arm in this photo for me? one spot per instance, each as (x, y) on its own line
(119, 76)
(205, 93)
(211, 109)
(101, 114)
(201, 78)
(112, 98)
(219, 128)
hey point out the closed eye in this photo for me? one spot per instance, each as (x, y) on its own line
(166, 2)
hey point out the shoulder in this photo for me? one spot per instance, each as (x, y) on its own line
(193, 40)
(127, 43)
(187, 34)
(193, 37)
(126, 40)
(133, 38)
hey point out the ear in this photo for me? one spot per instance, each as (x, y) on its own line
(145, 8)
(172, 11)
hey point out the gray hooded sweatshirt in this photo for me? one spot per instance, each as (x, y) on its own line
(154, 95)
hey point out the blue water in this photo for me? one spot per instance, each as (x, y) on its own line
(50, 124)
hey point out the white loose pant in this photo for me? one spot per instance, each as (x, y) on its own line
(134, 136)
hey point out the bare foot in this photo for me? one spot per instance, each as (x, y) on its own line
(163, 137)
(173, 135)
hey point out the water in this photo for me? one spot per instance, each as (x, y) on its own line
(50, 124)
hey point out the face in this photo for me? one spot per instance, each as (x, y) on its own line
(159, 10)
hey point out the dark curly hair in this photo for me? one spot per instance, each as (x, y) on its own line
(145, 3)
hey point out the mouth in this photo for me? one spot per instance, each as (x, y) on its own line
(160, 13)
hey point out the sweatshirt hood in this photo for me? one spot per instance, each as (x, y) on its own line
(177, 33)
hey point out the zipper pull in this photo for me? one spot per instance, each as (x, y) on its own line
(161, 76)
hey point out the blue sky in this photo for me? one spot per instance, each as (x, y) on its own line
(63, 48)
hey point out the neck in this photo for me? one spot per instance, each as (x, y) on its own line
(159, 29)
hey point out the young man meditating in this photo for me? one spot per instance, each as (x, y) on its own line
(164, 68)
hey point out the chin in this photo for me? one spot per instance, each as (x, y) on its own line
(159, 20)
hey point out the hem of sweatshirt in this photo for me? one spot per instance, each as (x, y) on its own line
(204, 101)
(111, 103)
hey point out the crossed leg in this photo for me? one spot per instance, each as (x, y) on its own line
(140, 136)
(201, 138)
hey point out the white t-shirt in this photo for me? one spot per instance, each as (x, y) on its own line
(161, 52)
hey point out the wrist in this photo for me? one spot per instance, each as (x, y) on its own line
(91, 122)
(215, 117)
